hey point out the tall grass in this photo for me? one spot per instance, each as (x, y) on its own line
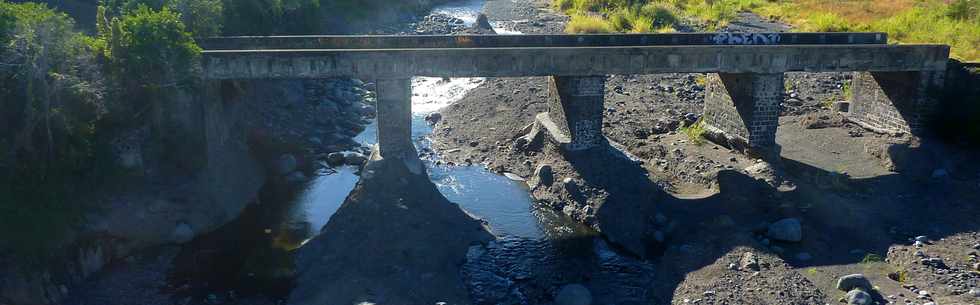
(588, 24)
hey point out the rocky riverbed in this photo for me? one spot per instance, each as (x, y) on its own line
(856, 199)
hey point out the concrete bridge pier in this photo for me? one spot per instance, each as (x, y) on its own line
(574, 117)
(395, 123)
(895, 102)
(743, 109)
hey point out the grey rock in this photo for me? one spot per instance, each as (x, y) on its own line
(850, 282)
(858, 297)
(433, 118)
(335, 159)
(544, 175)
(286, 164)
(922, 238)
(182, 233)
(788, 229)
(355, 159)
(749, 262)
(573, 294)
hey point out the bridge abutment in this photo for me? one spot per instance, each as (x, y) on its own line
(574, 118)
(744, 108)
(895, 102)
(395, 122)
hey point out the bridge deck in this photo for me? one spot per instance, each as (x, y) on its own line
(513, 41)
(569, 61)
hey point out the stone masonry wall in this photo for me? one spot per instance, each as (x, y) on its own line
(575, 106)
(895, 101)
(744, 106)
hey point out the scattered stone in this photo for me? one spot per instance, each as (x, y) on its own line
(934, 262)
(804, 256)
(849, 282)
(758, 168)
(573, 294)
(858, 297)
(749, 262)
(433, 118)
(788, 229)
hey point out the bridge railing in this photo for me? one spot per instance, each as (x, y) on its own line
(517, 41)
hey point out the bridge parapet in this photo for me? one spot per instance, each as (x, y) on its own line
(744, 90)
(527, 41)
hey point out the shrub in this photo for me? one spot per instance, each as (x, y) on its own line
(641, 24)
(695, 132)
(660, 13)
(964, 9)
(588, 24)
(826, 22)
(621, 20)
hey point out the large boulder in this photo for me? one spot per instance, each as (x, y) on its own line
(788, 229)
(573, 294)
(858, 297)
(850, 282)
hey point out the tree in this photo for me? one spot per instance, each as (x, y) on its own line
(53, 86)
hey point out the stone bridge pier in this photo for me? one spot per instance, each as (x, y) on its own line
(742, 109)
(395, 123)
(574, 117)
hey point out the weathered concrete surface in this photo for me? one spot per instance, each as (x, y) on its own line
(511, 41)
(744, 107)
(569, 61)
(393, 240)
(895, 101)
(575, 111)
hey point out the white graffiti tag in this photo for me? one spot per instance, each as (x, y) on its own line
(746, 38)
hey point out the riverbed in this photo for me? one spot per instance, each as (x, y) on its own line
(537, 250)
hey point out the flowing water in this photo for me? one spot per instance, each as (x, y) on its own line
(537, 250)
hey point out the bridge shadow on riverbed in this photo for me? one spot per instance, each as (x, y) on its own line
(845, 220)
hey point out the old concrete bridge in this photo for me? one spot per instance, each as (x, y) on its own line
(891, 89)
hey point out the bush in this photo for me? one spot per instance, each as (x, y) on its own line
(151, 49)
(588, 24)
(825, 22)
(964, 9)
(641, 24)
(659, 13)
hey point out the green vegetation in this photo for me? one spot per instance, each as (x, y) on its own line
(588, 24)
(51, 94)
(695, 132)
(952, 22)
(872, 258)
